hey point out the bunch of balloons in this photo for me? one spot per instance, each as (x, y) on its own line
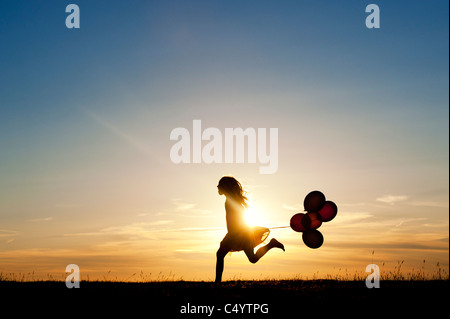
(318, 210)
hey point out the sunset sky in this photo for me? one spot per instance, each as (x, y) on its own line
(86, 114)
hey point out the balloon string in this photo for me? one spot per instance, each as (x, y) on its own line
(279, 227)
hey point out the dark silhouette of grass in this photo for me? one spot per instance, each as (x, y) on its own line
(164, 299)
(422, 291)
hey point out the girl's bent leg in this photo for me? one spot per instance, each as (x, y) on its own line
(253, 258)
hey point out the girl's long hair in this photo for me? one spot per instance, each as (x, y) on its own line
(232, 188)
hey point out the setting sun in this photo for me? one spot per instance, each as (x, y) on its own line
(254, 216)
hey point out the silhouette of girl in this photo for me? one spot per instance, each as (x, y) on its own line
(240, 236)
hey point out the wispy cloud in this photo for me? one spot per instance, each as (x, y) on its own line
(353, 218)
(133, 229)
(185, 206)
(430, 204)
(182, 207)
(392, 199)
(297, 207)
(38, 220)
(141, 229)
(122, 134)
(8, 233)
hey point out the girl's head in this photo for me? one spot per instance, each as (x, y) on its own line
(231, 188)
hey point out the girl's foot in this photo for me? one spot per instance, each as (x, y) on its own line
(275, 243)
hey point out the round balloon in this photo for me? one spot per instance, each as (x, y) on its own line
(328, 211)
(312, 220)
(296, 222)
(312, 238)
(314, 201)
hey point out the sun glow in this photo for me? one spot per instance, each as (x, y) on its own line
(254, 216)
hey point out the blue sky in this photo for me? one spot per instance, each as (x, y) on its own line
(85, 116)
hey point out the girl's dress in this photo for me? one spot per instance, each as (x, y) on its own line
(240, 236)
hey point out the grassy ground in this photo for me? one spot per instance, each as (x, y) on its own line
(320, 298)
